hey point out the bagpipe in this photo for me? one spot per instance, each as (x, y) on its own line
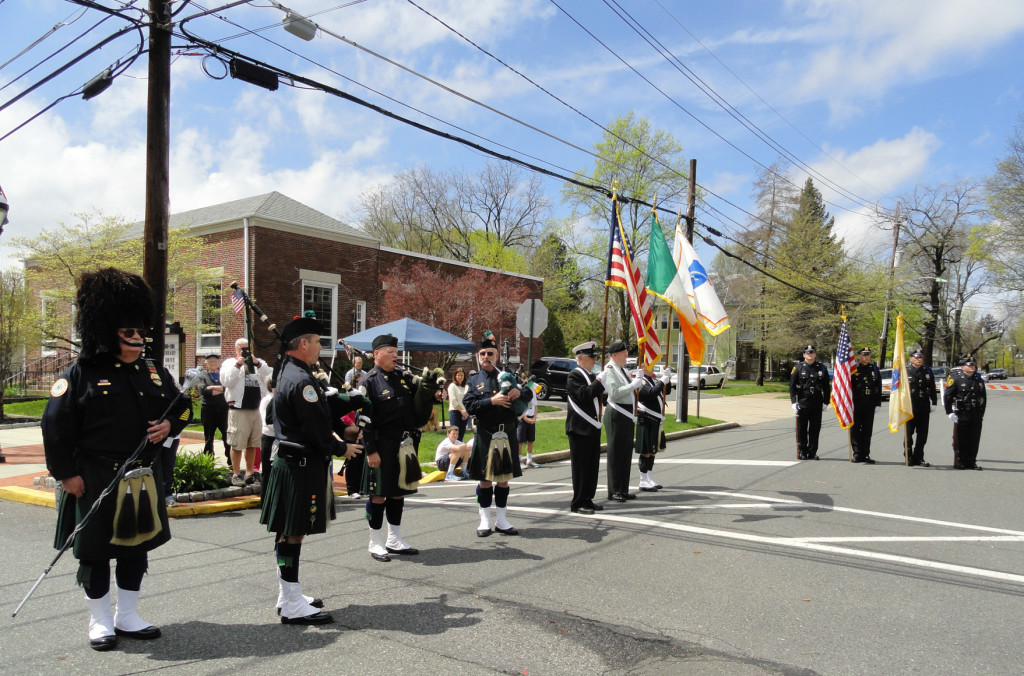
(342, 401)
(426, 384)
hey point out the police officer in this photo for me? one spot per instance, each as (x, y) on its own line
(619, 421)
(298, 499)
(390, 390)
(492, 412)
(866, 384)
(98, 412)
(964, 400)
(809, 391)
(583, 427)
(921, 382)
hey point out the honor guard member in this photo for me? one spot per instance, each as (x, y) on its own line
(99, 411)
(964, 400)
(491, 460)
(921, 382)
(866, 385)
(390, 391)
(810, 390)
(298, 499)
(583, 427)
(650, 416)
(619, 420)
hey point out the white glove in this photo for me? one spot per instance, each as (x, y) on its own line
(824, 407)
(602, 376)
(666, 378)
(330, 391)
(636, 383)
(933, 408)
(953, 416)
(796, 409)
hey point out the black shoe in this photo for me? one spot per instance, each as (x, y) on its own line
(924, 464)
(315, 618)
(103, 643)
(645, 489)
(617, 498)
(146, 634)
(316, 603)
(583, 510)
(483, 532)
(801, 456)
(629, 496)
(596, 508)
(512, 530)
(869, 461)
(977, 467)
(857, 460)
(383, 558)
(408, 551)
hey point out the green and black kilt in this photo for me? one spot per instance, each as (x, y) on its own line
(648, 436)
(93, 542)
(481, 445)
(386, 476)
(298, 500)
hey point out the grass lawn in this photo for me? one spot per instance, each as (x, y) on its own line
(551, 436)
(738, 388)
(32, 408)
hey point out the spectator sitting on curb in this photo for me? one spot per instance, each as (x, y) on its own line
(450, 453)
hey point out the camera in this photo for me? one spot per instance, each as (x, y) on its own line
(246, 352)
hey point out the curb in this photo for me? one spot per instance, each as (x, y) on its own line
(29, 496)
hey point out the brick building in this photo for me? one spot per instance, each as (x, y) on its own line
(291, 258)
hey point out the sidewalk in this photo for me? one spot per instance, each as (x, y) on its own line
(22, 447)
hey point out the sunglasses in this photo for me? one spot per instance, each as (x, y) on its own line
(131, 333)
(488, 353)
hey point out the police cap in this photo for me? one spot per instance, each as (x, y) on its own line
(617, 346)
(588, 348)
(384, 340)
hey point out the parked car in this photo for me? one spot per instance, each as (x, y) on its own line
(550, 373)
(996, 374)
(705, 376)
(940, 373)
(658, 370)
(886, 382)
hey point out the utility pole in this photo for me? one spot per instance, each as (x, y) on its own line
(884, 338)
(158, 141)
(683, 378)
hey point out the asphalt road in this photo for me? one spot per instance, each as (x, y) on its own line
(747, 563)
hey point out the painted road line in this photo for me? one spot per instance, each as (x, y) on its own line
(709, 461)
(785, 542)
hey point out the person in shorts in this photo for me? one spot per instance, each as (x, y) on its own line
(450, 452)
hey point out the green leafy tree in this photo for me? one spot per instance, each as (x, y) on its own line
(1006, 201)
(13, 300)
(56, 258)
(646, 161)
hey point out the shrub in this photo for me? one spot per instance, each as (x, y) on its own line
(197, 472)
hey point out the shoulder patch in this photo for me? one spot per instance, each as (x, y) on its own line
(949, 381)
(309, 393)
(59, 388)
(185, 414)
(793, 371)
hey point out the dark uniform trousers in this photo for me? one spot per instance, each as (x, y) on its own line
(215, 418)
(808, 427)
(585, 463)
(860, 433)
(966, 440)
(620, 450)
(917, 431)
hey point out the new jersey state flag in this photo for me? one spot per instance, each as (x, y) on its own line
(900, 407)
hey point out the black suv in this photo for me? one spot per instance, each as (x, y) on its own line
(551, 373)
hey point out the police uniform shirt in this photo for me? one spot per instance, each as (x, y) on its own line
(302, 414)
(967, 393)
(477, 401)
(102, 407)
(866, 383)
(390, 393)
(921, 382)
(809, 384)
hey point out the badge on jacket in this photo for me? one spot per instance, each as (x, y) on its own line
(59, 387)
(309, 393)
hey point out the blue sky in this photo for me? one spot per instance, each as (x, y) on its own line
(877, 95)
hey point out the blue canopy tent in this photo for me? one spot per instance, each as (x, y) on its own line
(413, 336)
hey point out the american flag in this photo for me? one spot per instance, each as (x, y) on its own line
(842, 391)
(623, 274)
(237, 301)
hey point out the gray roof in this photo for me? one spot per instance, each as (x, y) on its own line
(273, 206)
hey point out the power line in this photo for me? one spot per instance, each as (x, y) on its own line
(54, 29)
(761, 99)
(722, 103)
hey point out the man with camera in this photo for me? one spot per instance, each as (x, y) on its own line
(244, 379)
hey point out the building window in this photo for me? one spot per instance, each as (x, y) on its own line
(675, 321)
(359, 317)
(49, 310)
(322, 299)
(664, 320)
(210, 300)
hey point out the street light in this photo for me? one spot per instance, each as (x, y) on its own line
(1013, 359)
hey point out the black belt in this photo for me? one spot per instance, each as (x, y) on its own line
(297, 454)
(111, 463)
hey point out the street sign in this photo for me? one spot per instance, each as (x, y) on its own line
(532, 327)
